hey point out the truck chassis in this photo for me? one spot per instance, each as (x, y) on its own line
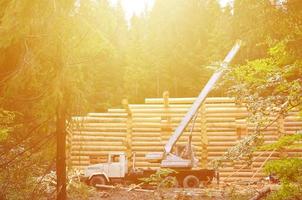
(188, 178)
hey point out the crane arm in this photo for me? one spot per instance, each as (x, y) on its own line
(200, 99)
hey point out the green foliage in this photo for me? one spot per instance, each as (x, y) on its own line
(76, 189)
(21, 178)
(235, 193)
(288, 191)
(79, 190)
(244, 148)
(47, 47)
(288, 169)
(269, 87)
(6, 124)
(160, 178)
(265, 85)
(3, 134)
(269, 83)
(287, 141)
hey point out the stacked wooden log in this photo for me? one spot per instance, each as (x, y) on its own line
(95, 135)
(143, 128)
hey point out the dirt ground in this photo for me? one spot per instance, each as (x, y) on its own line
(121, 195)
(229, 192)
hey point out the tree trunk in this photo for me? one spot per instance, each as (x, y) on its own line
(61, 152)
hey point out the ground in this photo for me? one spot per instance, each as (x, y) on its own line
(222, 192)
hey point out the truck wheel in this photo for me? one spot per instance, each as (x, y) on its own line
(97, 180)
(191, 181)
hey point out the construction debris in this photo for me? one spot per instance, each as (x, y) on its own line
(224, 191)
(128, 189)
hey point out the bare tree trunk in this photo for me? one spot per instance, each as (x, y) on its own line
(61, 152)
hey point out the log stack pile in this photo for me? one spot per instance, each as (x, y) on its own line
(143, 128)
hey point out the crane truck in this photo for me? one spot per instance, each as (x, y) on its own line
(179, 158)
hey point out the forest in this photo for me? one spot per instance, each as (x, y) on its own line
(63, 58)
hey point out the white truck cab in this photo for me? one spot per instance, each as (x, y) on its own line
(116, 167)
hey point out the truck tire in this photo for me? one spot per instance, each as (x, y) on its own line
(101, 180)
(190, 181)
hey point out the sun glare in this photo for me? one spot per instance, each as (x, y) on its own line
(225, 2)
(138, 7)
(134, 7)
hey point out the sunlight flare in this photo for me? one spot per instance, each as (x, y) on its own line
(134, 7)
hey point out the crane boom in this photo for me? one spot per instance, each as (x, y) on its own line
(200, 99)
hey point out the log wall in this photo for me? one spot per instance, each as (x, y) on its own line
(143, 128)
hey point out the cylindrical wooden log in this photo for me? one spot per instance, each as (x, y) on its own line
(148, 148)
(97, 143)
(101, 125)
(101, 129)
(137, 139)
(177, 120)
(99, 133)
(149, 115)
(107, 115)
(160, 110)
(222, 139)
(98, 148)
(83, 119)
(142, 119)
(189, 100)
(94, 152)
(150, 106)
(222, 114)
(96, 138)
(135, 129)
(147, 124)
(293, 123)
(221, 129)
(214, 133)
(117, 110)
